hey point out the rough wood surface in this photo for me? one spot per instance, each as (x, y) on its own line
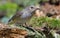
(8, 32)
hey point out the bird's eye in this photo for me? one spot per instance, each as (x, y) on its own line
(32, 7)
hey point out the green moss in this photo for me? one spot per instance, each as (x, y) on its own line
(41, 20)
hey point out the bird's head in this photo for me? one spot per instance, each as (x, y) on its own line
(28, 11)
(32, 8)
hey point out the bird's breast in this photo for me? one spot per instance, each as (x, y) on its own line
(26, 15)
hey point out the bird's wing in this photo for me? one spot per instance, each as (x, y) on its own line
(18, 14)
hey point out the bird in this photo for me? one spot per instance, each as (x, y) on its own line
(23, 16)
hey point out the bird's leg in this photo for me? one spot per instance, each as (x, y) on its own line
(27, 24)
